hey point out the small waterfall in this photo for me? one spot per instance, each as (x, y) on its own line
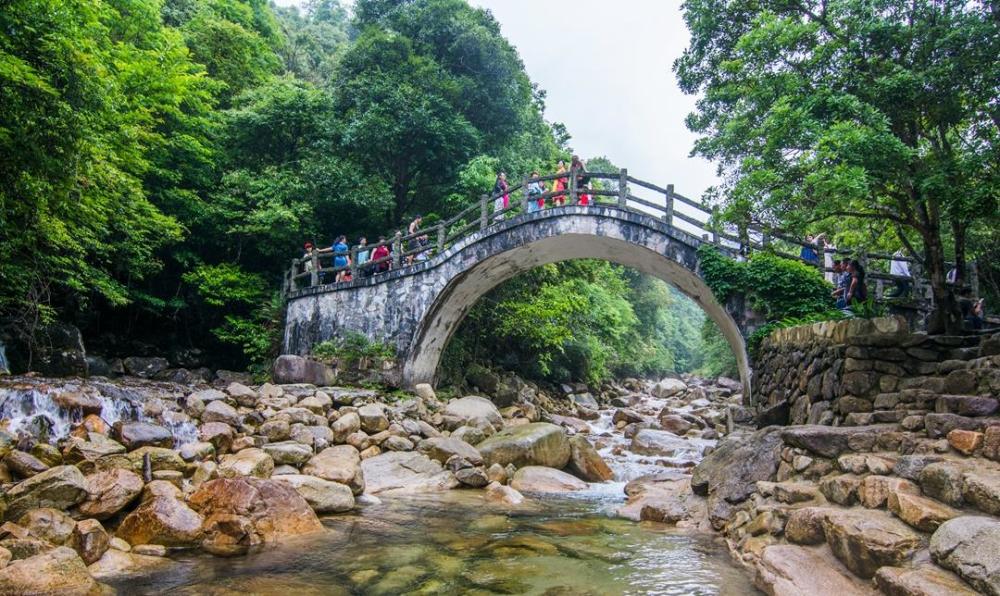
(33, 410)
(4, 365)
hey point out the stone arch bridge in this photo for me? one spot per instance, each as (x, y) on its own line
(417, 306)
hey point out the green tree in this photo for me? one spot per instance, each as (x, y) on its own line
(823, 112)
(96, 102)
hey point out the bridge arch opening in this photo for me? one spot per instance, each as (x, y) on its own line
(458, 297)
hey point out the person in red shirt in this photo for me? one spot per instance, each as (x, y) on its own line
(381, 252)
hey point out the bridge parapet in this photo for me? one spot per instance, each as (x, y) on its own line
(605, 190)
(429, 286)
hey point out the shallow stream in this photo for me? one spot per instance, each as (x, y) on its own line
(457, 544)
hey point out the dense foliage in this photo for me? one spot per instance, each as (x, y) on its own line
(161, 161)
(875, 121)
(784, 292)
(580, 320)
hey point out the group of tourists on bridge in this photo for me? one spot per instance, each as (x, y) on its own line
(535, 189)
(366, 261)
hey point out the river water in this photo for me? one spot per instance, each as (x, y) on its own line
(456, 543)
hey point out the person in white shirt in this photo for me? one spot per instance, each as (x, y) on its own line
(900, 268)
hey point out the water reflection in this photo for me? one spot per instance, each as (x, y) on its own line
(457, 544)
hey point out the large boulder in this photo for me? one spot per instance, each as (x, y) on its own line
(60, 487)
(442, 448)
(831, 441)
(927, 580)
(865, 540)
(539, 479)
(664, 444)
(344, 426)
(729, 474)
(288, 452)
(475, 411)
(93, 448)
(668, 388)
(290, 369)
(24, 464)
(161, 518)
(534, 444)
(405, 472)
(50, 525)
(586, 462)
(58, 571)
(146, 368)
(789, 570)
(664, 498)
(242, 513)
(110, 491)
(970, 546)
(90, 540)
(341, 463)
(324, 496)
(220, 411)
(246, 462)
(134, 435)
(116, 563)
(373, 418)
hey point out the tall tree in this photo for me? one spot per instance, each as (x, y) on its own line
(822, 110)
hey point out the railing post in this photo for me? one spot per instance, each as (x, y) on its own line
(353, 262)
(572, 186)
(715, 225)
(622, 188)
(668, 213)
(314, 278)
(484, 211)
(440, 238)
(397, 250)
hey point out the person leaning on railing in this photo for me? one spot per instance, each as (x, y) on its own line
(580, 171)
(535, 191)
(559, 186)
(381, 252)
(899, 268)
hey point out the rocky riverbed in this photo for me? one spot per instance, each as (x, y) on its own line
(108, 480)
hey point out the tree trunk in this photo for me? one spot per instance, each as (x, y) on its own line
(958, 232)
(946, 317)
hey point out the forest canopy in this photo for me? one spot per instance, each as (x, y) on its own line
(161, 161)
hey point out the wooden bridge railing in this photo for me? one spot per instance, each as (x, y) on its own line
(600, 190)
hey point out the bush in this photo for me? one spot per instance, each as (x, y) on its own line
(351, 348)
(774, 286)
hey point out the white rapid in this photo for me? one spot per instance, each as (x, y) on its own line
(35, 409)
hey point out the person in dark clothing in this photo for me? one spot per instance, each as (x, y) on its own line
(972, 310)
(857, 293)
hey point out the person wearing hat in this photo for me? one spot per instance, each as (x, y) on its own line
(307, 258)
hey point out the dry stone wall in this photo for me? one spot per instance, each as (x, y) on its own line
(867, 371)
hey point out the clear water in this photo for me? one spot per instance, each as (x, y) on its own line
(458, 544)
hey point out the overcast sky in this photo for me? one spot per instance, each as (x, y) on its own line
(607, 72)
(606, 67)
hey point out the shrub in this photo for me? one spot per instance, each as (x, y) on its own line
(352, 347)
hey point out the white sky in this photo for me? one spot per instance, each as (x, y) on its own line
(607, 73)
(606, 68)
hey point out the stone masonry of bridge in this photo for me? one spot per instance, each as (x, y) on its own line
(418, 308)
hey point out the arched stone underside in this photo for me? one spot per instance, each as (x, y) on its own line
(418, 309)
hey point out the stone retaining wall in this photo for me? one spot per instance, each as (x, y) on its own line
(863, 371)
